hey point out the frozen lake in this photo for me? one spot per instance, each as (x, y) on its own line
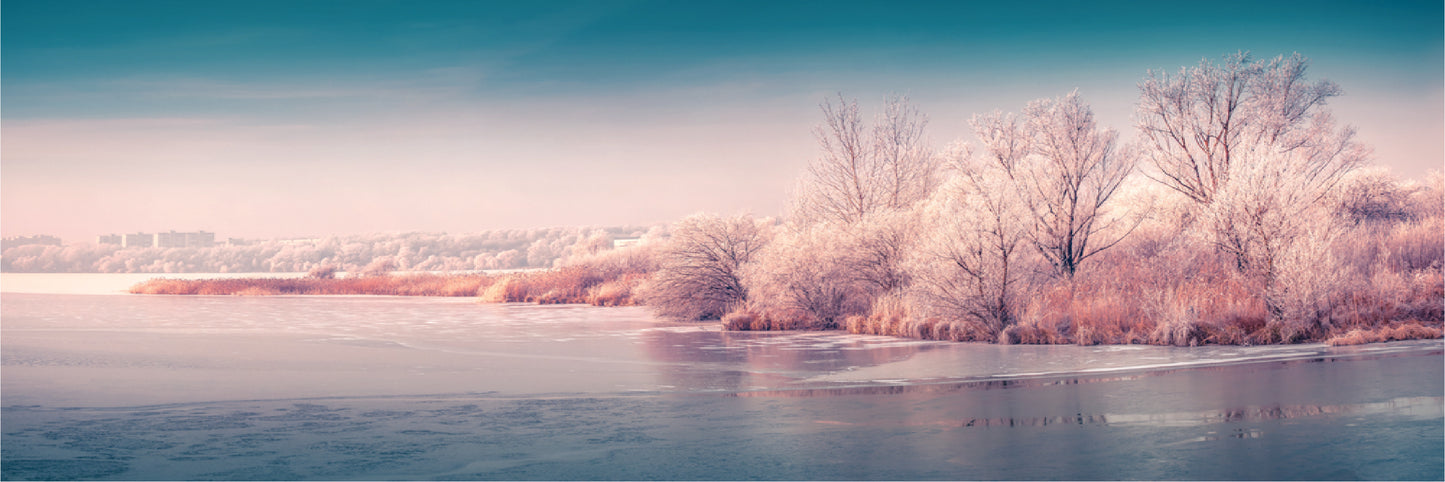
(153, 387)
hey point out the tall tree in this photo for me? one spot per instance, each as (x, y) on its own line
(865, 169)
(1065, 169)
(909, 168)
(973, 265)
(1262, 120)
(1195, 125)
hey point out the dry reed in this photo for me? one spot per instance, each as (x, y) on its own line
(773, 320)
(390, 285)
(1411, 330)
(574, 284)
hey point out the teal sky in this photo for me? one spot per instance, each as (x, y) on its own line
(299, 118)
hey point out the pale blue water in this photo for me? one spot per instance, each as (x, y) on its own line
(140, 387)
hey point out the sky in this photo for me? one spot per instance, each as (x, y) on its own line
(265, 119)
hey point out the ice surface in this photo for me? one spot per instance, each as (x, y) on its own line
(168, 387)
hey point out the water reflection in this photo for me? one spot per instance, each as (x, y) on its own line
(785, 351)
(733, 361)
(1414, 407)
(897, 387)
(910, 387)
(1417, 407)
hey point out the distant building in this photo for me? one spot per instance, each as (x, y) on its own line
(138, 240)
(41, 239)
(622, 243)
(169, 240)
(172, 239)
(200, 239)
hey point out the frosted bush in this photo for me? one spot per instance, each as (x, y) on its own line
(976, 264)
(805, 272)
(699, 273)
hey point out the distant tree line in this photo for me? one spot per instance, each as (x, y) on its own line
(489, 250)
(43, 240)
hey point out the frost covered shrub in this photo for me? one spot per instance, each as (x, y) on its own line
(622, 272)
(1393, 273)
(876, 250)
(699, 269)
(1373, 195)
(976, 264)
(803, 273)
(603, 277)
(831, 272)
(322, 271)
(378, 267)
(1415, 245)
(1307, 282)
(505, 290)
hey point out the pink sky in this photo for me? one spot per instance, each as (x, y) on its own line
(475, 167)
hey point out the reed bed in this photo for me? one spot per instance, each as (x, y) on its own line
(772, 320)
(388, 285)
(564, 285)
(1411, 330)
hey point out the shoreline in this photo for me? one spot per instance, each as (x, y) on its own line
(598, 287)
(588, 285)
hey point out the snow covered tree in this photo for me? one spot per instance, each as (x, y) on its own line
(699, 272)
(867, 169)
(1252, 144)
(1065, 169)
(1196, 124)
(976, 264)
